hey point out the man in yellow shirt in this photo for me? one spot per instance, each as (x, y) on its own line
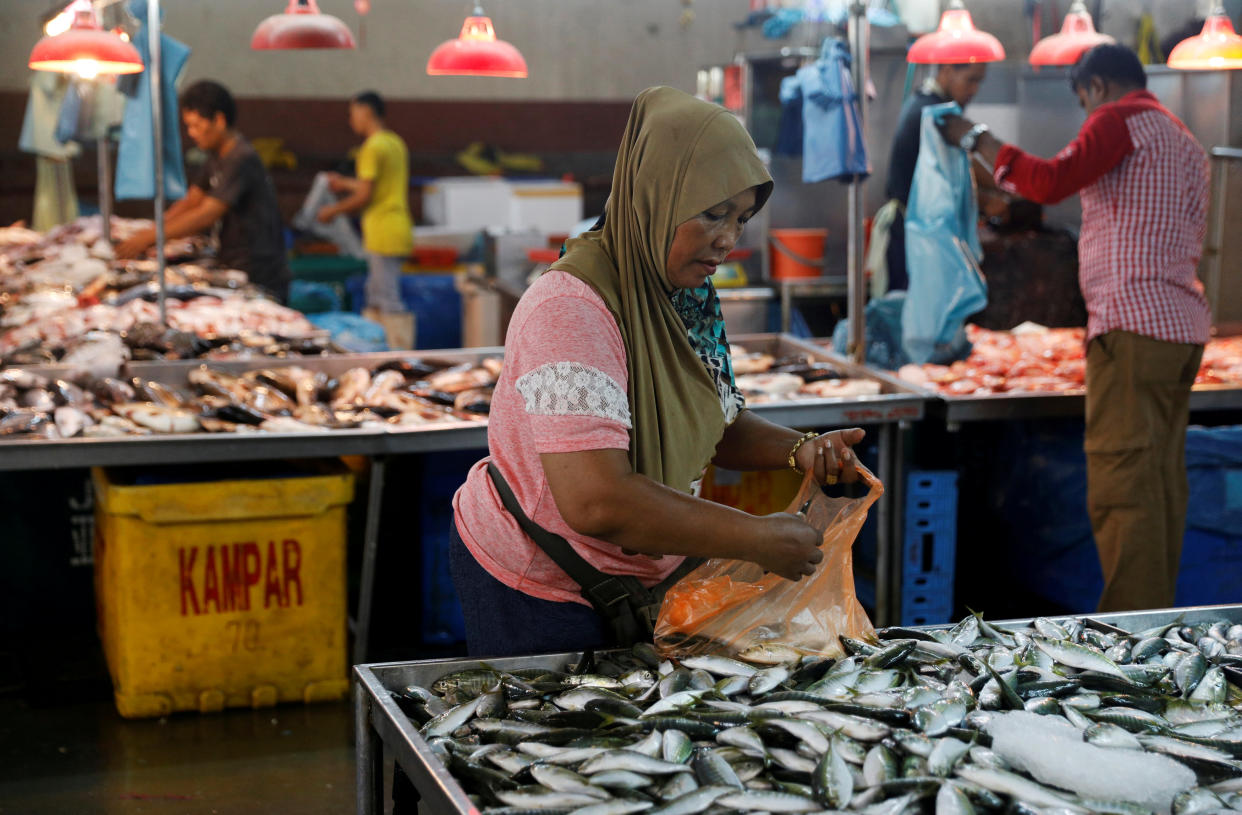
(381, 191)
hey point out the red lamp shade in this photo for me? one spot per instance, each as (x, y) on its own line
(477, 52)
(1077, 36)
(86, 50)
(956, 41)
(301, 26)
(1216, 48)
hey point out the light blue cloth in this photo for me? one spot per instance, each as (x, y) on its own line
(942, 243)
(832, 142)
(837, 12)
(38, 136)
(135, 164)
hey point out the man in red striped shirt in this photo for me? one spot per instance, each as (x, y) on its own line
(1143, 180)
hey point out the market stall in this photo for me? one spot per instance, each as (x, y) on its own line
(354, 427)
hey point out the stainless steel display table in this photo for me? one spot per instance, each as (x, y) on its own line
(895, 404)
(382, 730)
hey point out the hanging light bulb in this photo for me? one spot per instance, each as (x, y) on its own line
(302, 25)
(84, 48)
(956, 41)
(1076, 37)
(1216, 48)
(477, 52)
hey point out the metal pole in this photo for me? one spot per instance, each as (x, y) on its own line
(157, 125)
(370, 551)
(859, 32)
(105, 187)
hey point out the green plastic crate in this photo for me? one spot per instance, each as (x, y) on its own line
(334, 270)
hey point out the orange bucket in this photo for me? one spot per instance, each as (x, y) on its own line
(797, 252)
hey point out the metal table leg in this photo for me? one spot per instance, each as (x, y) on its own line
(884, 527)
(370, 548)
(369, 757)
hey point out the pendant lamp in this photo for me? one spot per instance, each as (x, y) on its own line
(477, 52)
(956, 41)
(85, 49)
(302, 25)
(1077, 36)
(1215, 48)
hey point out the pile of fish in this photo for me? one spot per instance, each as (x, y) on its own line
(1055, 717)
(1035, 359)
(57, 288)
(764, 378)
(399, 394)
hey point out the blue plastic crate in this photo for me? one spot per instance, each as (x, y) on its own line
(926, 600)
(442, 620)
(434, 301)
(930, 547)
(932, 492)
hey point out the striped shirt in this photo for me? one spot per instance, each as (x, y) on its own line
(1143, 180)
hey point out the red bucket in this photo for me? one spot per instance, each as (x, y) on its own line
(797, 252)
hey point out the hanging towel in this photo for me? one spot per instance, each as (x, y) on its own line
(942, 243)
(90, 111)
(135, 165)
(832, 142)
(38, 136)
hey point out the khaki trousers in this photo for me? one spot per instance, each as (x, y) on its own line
(1138, 405)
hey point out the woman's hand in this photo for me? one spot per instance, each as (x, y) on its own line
(788, 545)
(830, 456)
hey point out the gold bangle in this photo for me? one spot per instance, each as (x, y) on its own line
(793, 464)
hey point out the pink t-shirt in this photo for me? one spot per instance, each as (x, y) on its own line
(562, 390)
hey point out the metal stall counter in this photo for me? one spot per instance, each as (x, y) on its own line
(892, 405)
(384, 731)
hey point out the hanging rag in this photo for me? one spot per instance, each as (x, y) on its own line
(877, 252)
(832, 141)
(942, 243)
(47, 95)
(55, 200)
(135, 164)
(789, 133)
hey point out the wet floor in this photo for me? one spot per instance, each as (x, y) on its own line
(82, 757)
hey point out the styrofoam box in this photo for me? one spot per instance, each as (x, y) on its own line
(467, 203)
(548, 206)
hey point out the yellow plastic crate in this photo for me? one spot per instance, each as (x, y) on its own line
(224, 593)
(759, 493)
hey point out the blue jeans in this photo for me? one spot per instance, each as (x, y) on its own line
(384, 282)
(501, 621)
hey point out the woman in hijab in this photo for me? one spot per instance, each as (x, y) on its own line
(616, 394)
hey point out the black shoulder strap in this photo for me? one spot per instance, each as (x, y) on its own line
(628, 606)
(609, 595)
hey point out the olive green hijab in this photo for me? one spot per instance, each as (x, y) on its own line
(679, 156)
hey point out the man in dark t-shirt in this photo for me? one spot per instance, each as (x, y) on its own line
(958, 83)
(232, 195)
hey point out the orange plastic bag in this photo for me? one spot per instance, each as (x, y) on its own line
(727, 606)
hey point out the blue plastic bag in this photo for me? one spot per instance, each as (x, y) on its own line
(135, 159)
(350, 331)
(942, 243)
(310, 297)
(882, 335)
(832, 142)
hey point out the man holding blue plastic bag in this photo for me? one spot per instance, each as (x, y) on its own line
(1143, 180)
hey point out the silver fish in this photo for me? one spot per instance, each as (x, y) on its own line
(543, 798)
(720, 666)
(632, 762)
(774, 802)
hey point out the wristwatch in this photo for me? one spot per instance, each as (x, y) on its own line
(971, 140)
